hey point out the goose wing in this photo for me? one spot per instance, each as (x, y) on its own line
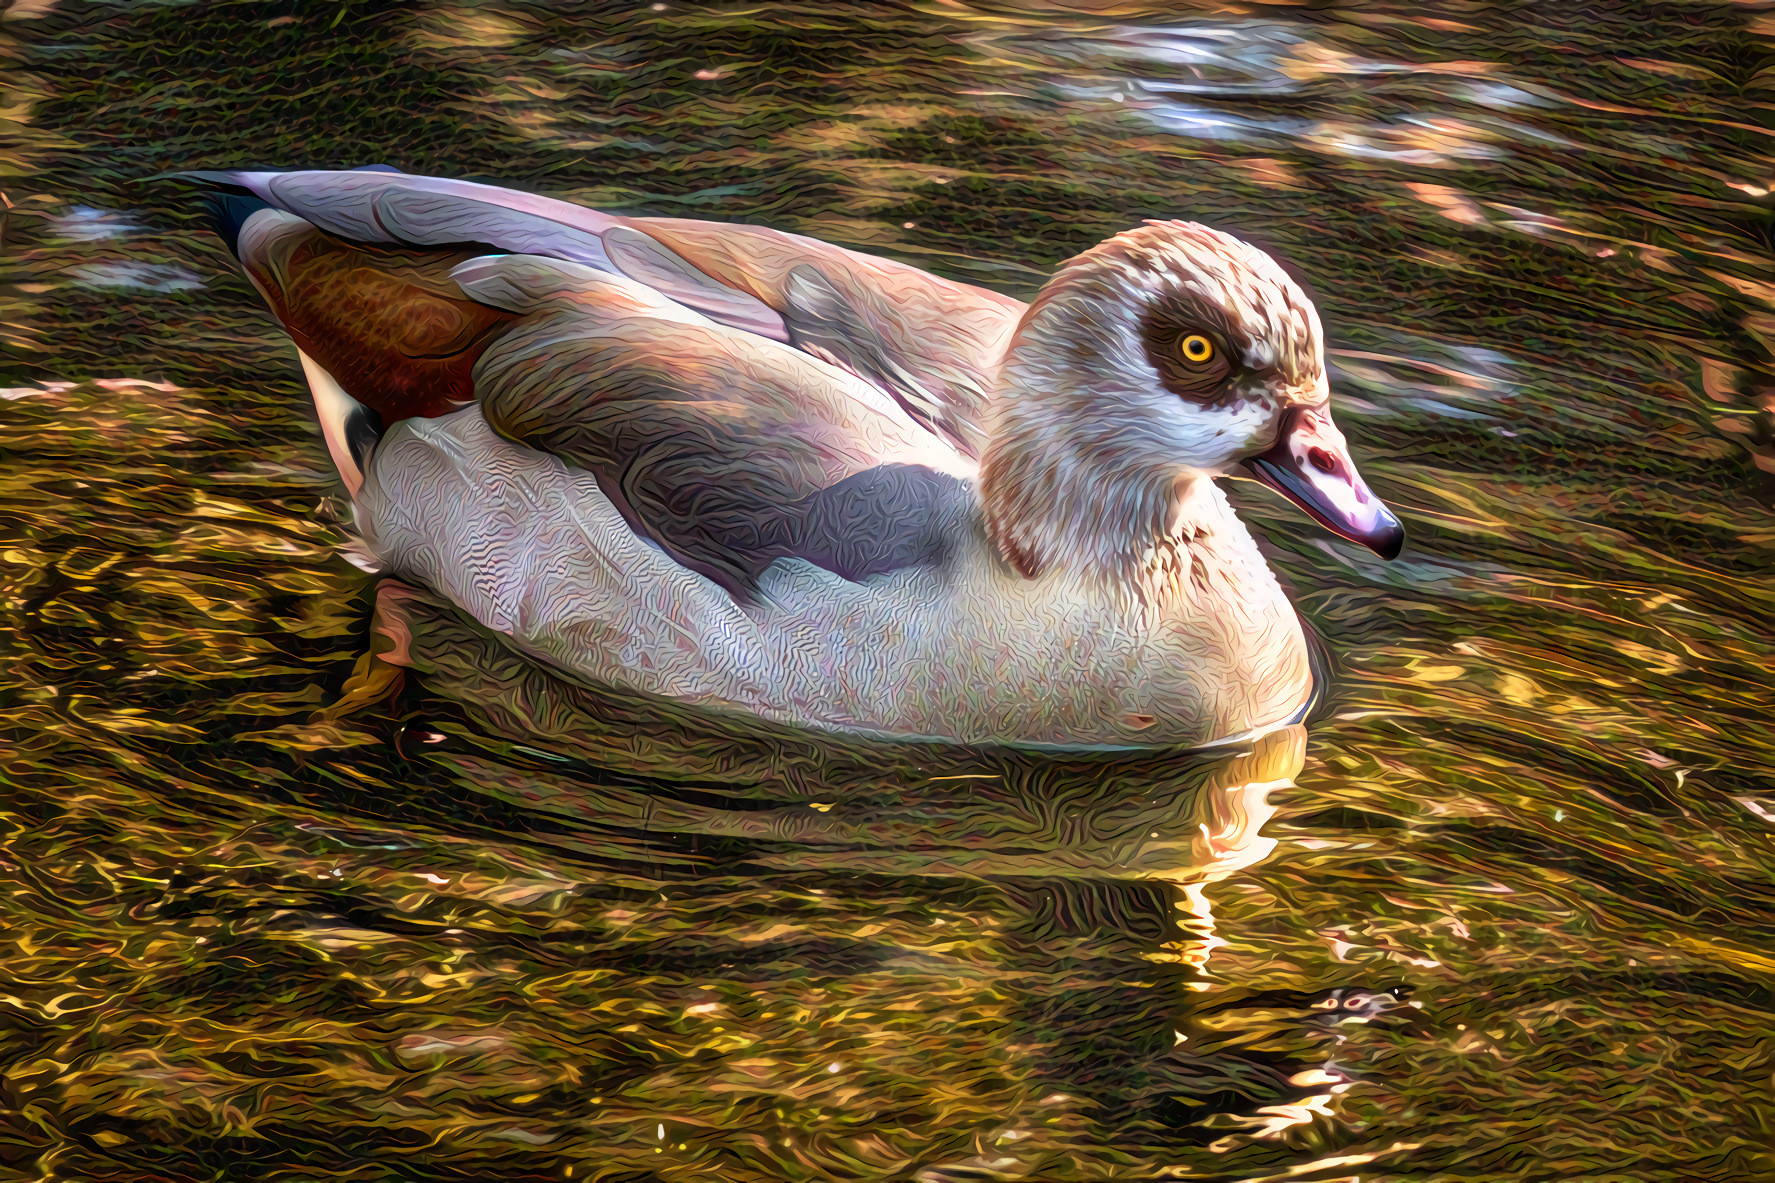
(929, 344)
(728, 451)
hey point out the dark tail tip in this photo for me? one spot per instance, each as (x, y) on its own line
(228, 212)
(229, 203)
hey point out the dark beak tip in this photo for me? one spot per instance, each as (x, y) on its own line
(1389, 543)
(1386, 537)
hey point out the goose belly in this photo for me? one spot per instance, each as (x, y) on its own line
(975, 654)
(532, 549)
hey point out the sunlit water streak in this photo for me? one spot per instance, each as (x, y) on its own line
(1505, 917)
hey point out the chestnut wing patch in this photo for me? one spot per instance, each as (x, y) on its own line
(386, 322)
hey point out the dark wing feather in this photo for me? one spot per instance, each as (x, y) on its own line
(879, 520)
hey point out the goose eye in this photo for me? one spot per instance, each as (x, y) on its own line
(1196, 349)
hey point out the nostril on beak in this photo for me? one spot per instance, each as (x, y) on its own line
(1320, 459)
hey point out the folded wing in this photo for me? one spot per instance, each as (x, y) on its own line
(929, 344)
(728, 451)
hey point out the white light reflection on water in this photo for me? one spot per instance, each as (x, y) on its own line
(1144, 66)
(85, 224)
(152, 277)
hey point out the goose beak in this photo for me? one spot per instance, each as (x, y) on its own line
(1310, 465)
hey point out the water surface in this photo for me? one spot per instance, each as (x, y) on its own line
(1503, 915)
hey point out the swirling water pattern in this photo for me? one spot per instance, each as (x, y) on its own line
(1504, 915)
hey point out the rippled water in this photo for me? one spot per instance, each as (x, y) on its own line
(1503, 915)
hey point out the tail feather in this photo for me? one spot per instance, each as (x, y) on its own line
(228, 212)
(378, 204)
(229, 203)
(351, 429)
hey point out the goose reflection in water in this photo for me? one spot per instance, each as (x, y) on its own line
(668, 777)
(1067, 886)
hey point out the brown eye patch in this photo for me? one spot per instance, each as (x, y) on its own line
(1192, 343)
(1193, 359)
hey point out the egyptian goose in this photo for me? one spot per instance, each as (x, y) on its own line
(757, 473)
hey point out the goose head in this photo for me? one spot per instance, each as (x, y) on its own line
(1151, 364)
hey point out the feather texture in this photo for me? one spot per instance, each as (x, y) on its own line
(729, 452)
(930, 344)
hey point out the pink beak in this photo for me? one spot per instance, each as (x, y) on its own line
(1310, 465)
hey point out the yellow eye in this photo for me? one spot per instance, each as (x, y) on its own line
(1196, 349)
